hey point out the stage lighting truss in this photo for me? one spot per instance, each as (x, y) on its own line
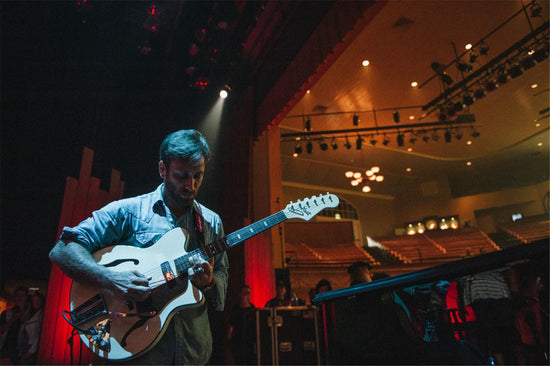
(406, 136)
(479, 76)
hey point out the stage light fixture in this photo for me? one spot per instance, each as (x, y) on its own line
(490, 86)
(473, 57)
(475, 132)
(309, 147)
(515, 71)
(323, 145)
(412, 140)
(441, 116)
(400, 139)
(448, 136)
(540, 55)
(373, 141)
(425, 138)
(386, 141)
(307, 126)
(396, 117)
(298, 149)
(333, 144)
(435, 136)
(366, 189)
(224, 92)
(527, 63)
(359, 143)
(347, 145)
(483, 48)
(464, 67)
(438, 68)
(502, 78)
(349, 174)
(467, 99)
(458, 106)
(536, 9)
(450, 110)
(356, 119)
(479, 93)
(458, 135)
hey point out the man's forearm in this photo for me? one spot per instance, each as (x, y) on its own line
(76, 262)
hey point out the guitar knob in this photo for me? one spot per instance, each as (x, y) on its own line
(104, 345)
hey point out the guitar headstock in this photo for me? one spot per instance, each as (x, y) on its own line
(308, 207)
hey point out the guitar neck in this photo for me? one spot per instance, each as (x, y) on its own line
(303, 210)
(255, 228)
(221, 245)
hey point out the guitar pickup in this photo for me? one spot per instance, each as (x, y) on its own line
(92, 308)
(167, 272)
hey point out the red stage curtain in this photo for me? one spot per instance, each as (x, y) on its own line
(258, 269)
(81, 197)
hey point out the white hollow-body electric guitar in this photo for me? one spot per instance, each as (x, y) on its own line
(119, 330)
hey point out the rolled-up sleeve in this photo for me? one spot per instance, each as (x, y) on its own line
(104, 228)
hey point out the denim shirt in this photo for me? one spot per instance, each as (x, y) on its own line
(140, 221)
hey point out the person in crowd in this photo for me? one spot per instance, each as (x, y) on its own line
(10, 323)
(323, 286)
(242, 329)
(530, 318)
(29, 333)
(489, 295)
(359, 272)
(280, 299)
(140, 221)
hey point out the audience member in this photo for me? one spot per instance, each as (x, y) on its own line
(242, 329)
(359, 272)
(10, 323)
(29, 333)
(323, 286)
(489, 295)
(281, 299)
(529, 318)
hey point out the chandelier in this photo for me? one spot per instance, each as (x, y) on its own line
(365, 178)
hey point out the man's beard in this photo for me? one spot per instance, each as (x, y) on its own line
(179, 200)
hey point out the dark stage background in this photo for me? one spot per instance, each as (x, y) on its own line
(78, 74)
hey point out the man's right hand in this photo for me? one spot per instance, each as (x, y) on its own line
(129, 285)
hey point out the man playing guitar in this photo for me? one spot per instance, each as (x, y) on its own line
(140, 222)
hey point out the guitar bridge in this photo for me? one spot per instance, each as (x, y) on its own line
(89, 310)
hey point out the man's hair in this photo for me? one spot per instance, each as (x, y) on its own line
(184, 145)
(356, 265)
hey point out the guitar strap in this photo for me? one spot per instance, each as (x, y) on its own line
(199, 227)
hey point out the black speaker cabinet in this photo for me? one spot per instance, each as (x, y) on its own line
(288, 335)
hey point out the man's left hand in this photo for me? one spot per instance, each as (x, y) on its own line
(203, 275)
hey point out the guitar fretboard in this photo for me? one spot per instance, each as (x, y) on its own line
(216, 247)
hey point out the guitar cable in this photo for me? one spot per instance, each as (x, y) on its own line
(90, 331)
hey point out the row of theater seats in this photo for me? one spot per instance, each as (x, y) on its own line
(527, 231)
(432, 247)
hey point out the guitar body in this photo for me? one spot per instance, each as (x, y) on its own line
(135, 327)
